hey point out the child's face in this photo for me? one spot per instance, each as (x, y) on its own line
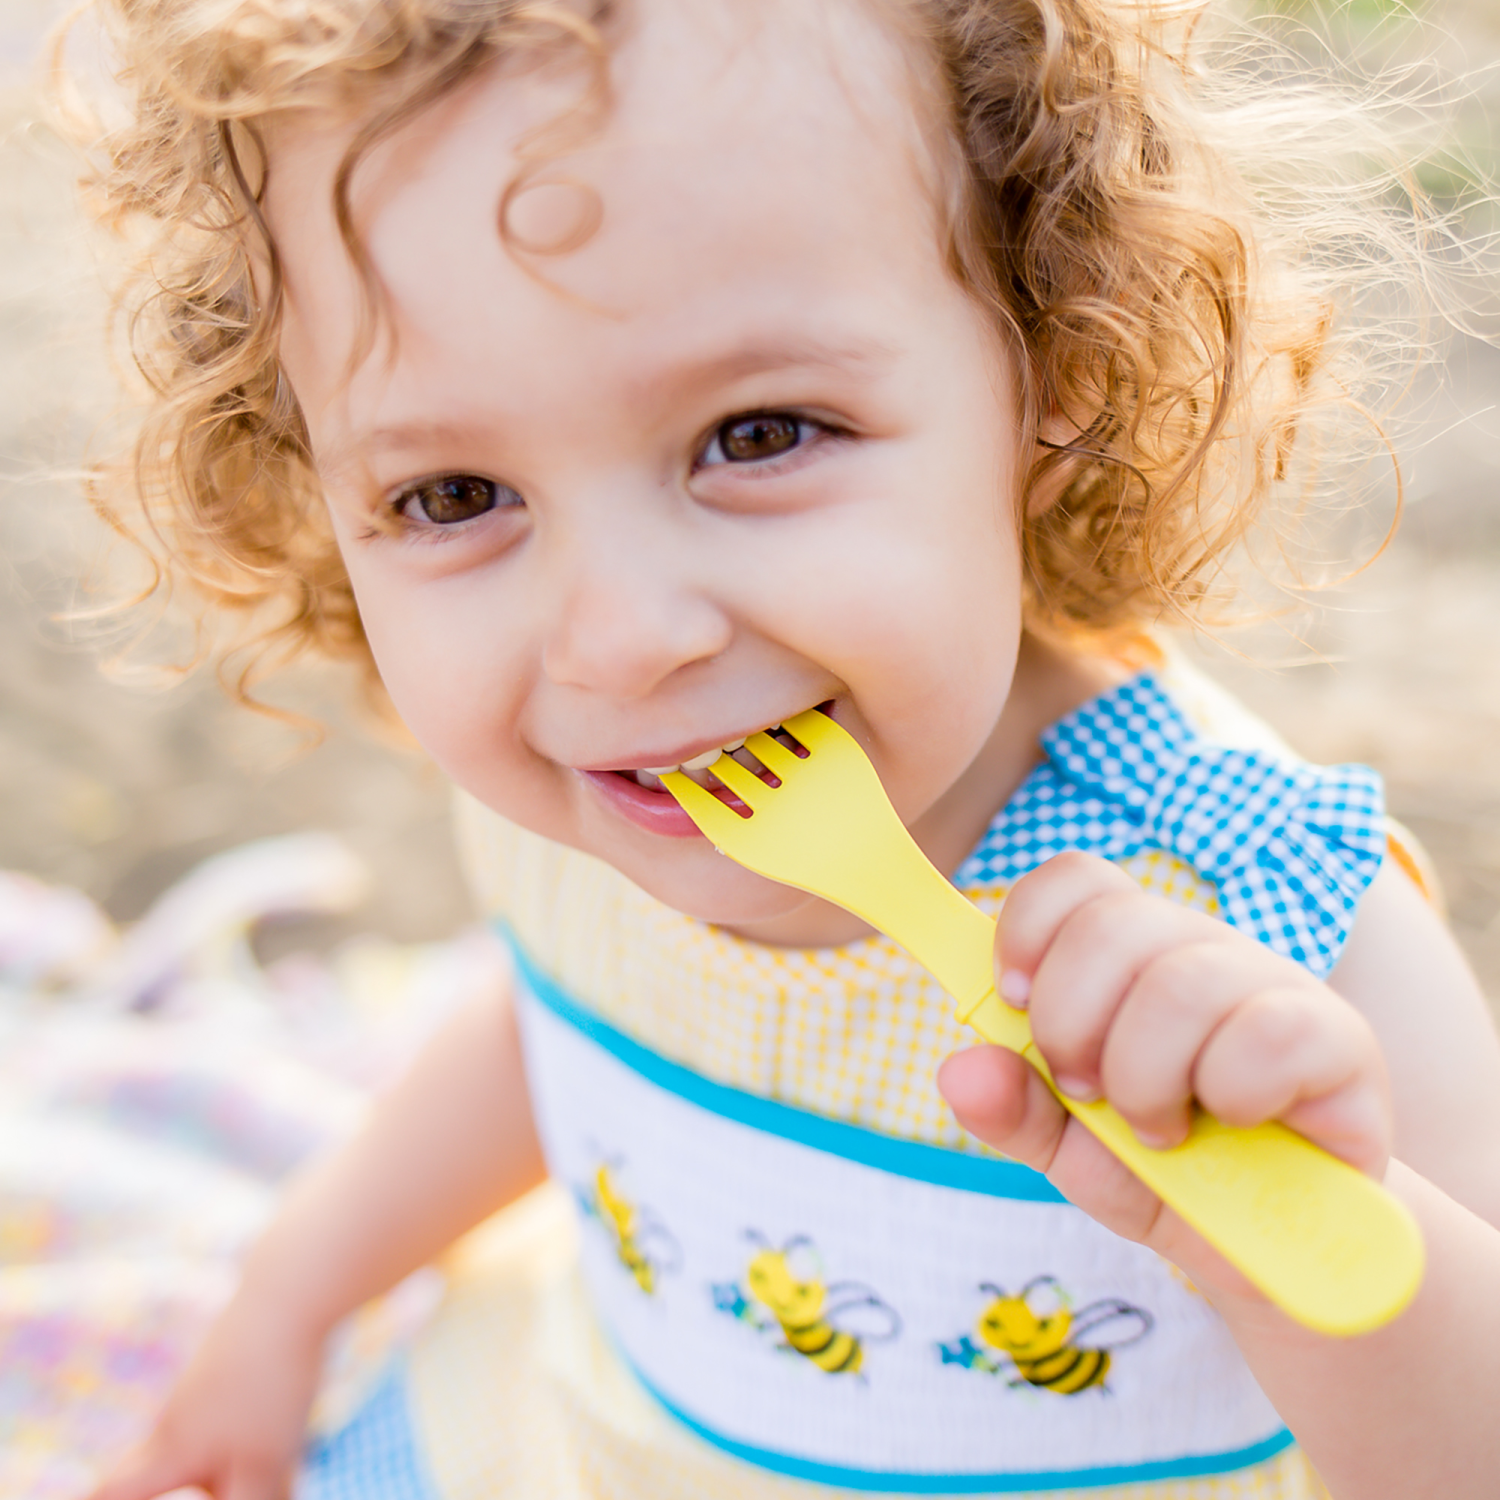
(746, 450)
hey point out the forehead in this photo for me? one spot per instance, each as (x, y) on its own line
(774, 151)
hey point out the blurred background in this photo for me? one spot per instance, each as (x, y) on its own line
(119, 787)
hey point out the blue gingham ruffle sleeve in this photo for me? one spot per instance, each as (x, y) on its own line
(1290, 847)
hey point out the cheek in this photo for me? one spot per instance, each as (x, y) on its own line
(925, 650)
(934, 659)
(931, 608)
(429, 649)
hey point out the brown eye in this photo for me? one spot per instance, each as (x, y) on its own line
(455, 498)
(747, 439)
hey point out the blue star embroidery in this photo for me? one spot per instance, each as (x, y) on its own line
(963, 1352)
(728, 1298)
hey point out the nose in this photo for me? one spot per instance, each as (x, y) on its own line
(627, 617)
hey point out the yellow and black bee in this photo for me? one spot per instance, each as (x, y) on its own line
(644, 1245)
(1047, 1344)
(826, 1323)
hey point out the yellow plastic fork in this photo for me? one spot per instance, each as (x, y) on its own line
(1327, 1245)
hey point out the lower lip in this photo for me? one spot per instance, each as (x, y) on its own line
(656, 812)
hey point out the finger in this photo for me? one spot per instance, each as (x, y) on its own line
(1305, 1057)
(1035, 906)
(1094, 958)
(1354, 1123)
(1174, 1004)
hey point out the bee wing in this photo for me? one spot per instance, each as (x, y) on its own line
(1044, 1296)
(854, 1308)
(1129, 1324)
(659, 1242)
(803, 1259)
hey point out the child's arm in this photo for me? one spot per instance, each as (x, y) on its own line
(1156, 1006)
(450, 1144)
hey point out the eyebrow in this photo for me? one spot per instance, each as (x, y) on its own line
(392, 437)
(754, 358)
(739, 363)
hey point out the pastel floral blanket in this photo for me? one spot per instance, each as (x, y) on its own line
(157, 1087)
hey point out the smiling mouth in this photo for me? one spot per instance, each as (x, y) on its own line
(650, 777)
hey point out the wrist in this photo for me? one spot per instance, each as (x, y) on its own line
(291, 1291)
(271, 1310)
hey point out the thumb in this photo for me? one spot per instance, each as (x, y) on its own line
(146, 1474)
(1002, 1100)
(257, 1481)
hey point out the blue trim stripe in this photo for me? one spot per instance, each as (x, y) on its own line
(916, 1159)
(892, 1482)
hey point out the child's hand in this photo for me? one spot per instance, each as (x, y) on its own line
(235, 1422)
(1157, 1007)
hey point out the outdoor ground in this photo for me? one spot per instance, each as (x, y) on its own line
(119, 790)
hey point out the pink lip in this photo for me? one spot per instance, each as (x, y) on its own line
(656, 812)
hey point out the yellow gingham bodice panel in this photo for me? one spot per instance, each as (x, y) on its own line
(855, 1032)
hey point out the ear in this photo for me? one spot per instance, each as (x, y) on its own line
(1053, 432)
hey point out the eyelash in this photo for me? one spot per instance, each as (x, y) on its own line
(810, 430)
(395, 513)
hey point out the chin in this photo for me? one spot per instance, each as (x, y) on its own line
(721, 892)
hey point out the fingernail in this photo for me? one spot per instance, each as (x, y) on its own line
(1154, 1141)
(1075, 1088)
(1015, 988)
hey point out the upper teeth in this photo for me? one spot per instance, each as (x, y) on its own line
(700, 762)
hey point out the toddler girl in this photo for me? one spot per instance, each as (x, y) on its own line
(617, 381)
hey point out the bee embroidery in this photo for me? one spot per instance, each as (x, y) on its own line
(828, 1324)
(642, 1243)
(1048, 1345)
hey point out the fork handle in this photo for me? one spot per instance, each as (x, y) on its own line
(1328, 1245)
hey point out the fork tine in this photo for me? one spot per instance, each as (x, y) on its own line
(773, 755)
(817, 731)
(744, 784)
(716, 820)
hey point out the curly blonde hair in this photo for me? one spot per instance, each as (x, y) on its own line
(1114, 205)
